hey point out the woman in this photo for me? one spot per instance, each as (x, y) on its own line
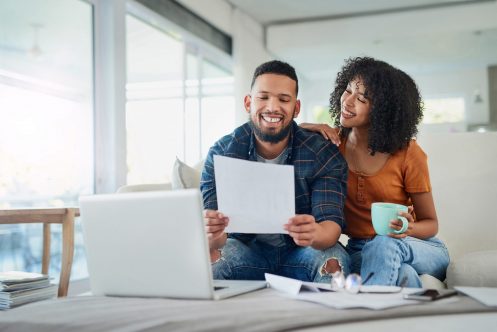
(376, 109)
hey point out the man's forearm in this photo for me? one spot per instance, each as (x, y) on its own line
(327, 236)
(219, 242)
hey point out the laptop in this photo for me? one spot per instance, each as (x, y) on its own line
(152, 244)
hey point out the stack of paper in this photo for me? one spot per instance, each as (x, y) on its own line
(369, 297)
(18, 288)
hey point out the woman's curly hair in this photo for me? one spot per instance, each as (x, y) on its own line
(396, 106)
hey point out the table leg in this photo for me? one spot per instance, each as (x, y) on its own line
(67, 251)
(45, 262)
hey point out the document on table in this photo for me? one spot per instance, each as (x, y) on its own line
(293, 286)
(341, 299)
(485, 295)
(257, 197)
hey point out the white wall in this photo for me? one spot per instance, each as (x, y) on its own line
(358, 33)
(462, 83)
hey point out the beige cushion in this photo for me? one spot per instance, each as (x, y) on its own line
(185, 176)
(477, 269)
(430, 282)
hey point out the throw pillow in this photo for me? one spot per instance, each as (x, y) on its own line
(185, 176)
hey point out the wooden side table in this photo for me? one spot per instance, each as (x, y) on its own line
(64, 216)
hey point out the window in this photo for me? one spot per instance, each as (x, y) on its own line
(443, 110)
(178, 102)
(154, 108)
(217, 105)
(46, 112)
(321, 114)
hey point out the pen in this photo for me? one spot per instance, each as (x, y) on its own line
(368, 277)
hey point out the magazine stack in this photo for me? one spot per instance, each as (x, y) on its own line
(17, 288)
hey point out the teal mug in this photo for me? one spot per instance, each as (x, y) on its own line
(383, 213)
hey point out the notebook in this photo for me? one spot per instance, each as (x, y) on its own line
(152, 244)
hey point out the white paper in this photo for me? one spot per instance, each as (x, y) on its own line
(379, 289)
(344, 300)
(293, 286)
(323, 294)
(485, 295)
(257, 197)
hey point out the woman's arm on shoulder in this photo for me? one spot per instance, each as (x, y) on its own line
(329, 133)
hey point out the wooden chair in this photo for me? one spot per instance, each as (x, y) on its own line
(64, 216)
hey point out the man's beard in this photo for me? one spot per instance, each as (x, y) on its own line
(270, 137)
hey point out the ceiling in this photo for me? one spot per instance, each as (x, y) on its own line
(270, 12)
(48, 39)
(419, 36)
(313, 35)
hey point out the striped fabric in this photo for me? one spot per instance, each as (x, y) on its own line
(320, 171)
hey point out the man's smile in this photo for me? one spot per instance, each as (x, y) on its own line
(271, 118)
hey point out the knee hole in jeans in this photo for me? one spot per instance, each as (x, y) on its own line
(332, 265)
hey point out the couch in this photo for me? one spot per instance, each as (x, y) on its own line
(464, 178)
(264, 310)
(463, 172)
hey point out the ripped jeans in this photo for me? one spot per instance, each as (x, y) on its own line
(392, 260)
(250, 260)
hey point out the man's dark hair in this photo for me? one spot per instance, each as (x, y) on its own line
(276, 67)
(396, 106)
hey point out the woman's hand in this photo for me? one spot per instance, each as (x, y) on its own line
(397, 224)
(329, 133)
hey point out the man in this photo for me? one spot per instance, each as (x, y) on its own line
(310, 251)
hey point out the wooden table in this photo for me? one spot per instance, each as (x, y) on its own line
(64, 216)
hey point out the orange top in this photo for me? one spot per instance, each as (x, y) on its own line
(406, 171)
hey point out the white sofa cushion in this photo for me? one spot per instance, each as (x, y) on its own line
(185, 176)
(464, 177)
(430, 282)
(477, 269)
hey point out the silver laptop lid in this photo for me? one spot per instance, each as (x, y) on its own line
(147, 244)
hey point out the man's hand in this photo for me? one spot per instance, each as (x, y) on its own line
(303, 229)
(215, 223)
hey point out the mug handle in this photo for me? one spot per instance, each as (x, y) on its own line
(405, 224)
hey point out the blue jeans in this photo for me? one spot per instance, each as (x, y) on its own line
(392, 260)
(249, 261)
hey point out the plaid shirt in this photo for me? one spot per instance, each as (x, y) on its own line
(320, 171)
